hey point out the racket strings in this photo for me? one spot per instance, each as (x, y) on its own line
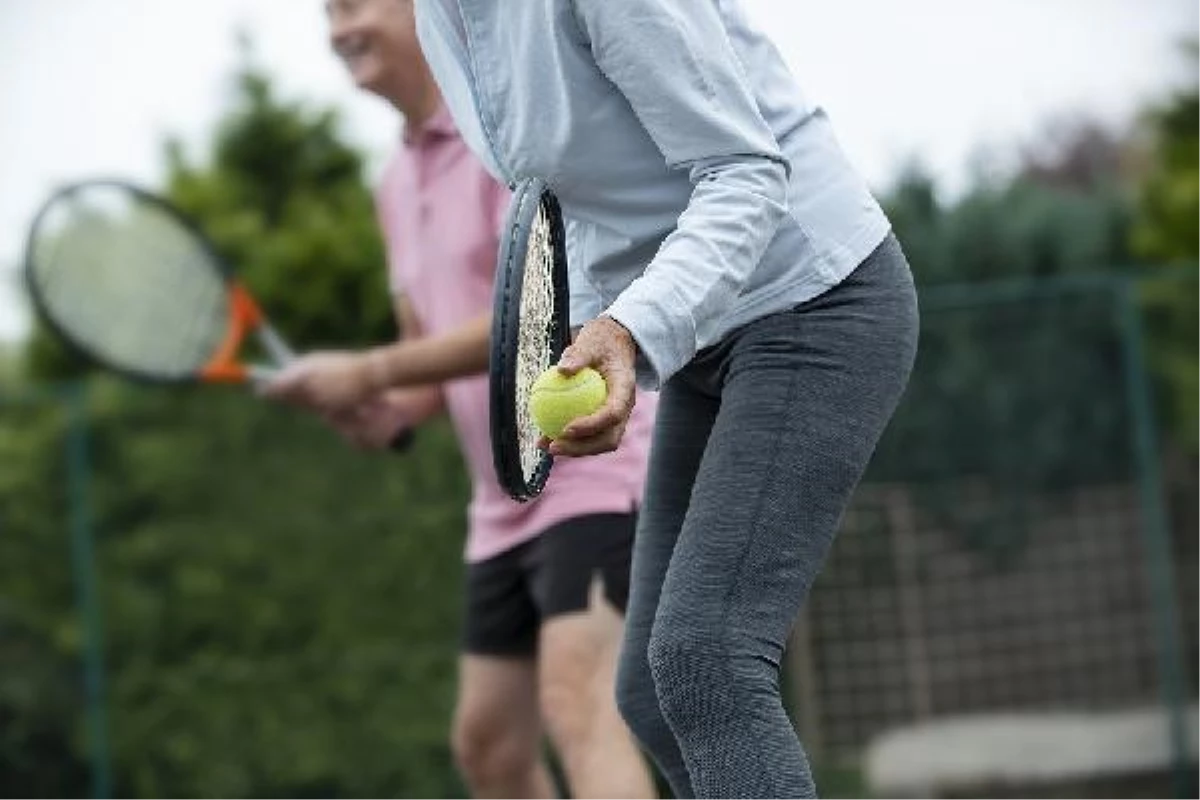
(130, 283)
(535, 346)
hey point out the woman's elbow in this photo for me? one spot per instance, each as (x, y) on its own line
(777, 179)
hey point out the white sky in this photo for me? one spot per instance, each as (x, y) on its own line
(92, 86)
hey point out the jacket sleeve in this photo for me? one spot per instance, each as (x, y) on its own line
(673, 62)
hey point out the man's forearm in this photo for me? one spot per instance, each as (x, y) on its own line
(459, 353)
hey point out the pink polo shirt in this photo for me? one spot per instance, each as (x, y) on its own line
(440, 212)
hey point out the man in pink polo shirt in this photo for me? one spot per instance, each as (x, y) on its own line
(546, 581)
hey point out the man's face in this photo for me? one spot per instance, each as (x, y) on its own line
(375, 39)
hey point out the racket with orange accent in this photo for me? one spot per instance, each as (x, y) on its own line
(124, 277)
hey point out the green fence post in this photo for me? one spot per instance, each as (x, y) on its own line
(84, 568)
(1158, 548)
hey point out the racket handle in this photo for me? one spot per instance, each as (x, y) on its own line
(402, 441)
(275, 346)
(260, 375)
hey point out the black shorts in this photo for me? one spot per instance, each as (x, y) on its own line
(510, 595)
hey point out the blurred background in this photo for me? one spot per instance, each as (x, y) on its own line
(203, 596)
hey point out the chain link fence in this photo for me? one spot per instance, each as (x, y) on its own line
(1008, 607)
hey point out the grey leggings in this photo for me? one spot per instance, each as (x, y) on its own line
(759, 443)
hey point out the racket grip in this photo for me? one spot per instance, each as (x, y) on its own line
(279, 350)
(402, 441)
(259, 375)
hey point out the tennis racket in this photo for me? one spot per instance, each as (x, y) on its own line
(126, 279)
(530, 329)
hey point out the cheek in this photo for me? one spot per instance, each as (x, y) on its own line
(396, 38)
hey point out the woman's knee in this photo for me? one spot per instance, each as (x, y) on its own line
(680, 657)
(704, 677)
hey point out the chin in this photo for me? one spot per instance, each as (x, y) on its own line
(366, 76)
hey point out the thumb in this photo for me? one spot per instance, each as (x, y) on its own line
(574, 358)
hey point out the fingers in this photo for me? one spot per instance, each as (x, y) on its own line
(606, 346)
(597, 433)
(362, 425)
(604, 442)
(576, 357)
(298, 383)
(601, 341)
(614, 412)
(321, 382)
(601, 431)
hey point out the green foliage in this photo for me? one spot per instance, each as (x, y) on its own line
(283, 199)
(281, 611)
(11, 367)
(1169, 205)
(1167, 229)
(282, 599)
(1018, 396)
(1029, 368)
(40, 689)
(285, 202)
(1019, 229)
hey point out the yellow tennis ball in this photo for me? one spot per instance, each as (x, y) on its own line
(556, 399)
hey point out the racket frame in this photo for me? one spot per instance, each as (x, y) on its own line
(528, 198)
(245, 314)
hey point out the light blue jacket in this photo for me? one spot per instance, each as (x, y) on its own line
(701, 189)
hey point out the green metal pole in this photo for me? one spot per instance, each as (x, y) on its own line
(84, 567)
(1158, 548)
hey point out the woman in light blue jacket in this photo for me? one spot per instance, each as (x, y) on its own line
(724, 251)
